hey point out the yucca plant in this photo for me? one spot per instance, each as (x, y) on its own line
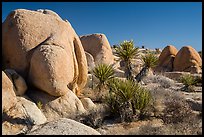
(189, 81)
(142, 99)
(103, 73)
(150, 60)
(126, 51)
(125, 97)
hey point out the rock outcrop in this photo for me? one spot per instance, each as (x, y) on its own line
(166, 59)
(53, 108)
(46, 51)
(19, 83)
(98, 46)
(64, 126)
(8, 95)
(20, 118)
(90, 61)
(188, 60)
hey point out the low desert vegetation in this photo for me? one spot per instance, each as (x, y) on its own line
(127, 99)
(126, 51)
(163, 81)
(150, 60)
(189, 82)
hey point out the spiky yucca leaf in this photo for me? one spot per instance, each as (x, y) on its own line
(103, 73)
(150, 60)
(142, 98)
(126, 50)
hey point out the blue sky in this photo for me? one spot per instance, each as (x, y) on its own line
(152, 24)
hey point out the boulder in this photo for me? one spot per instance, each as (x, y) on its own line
(188, 60)
(98, 46)
(64, 126)
(20, 85)
(68, 105)
(166, 59)
(88, 103)
(90, 61)
(8, 95)
(20, 118)
(38, 37)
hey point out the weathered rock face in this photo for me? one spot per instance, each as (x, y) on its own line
(88, 103)
(19, 83)
(98, 46)
(20, 118)
(166, 59)
(64, 126)
(38, 37)
(90, 61)
(8, 95)
(53, 108)
(188, 60)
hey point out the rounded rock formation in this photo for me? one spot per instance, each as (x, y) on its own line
(166, 59)
(40, 40)
(188, 60)
(98, 46)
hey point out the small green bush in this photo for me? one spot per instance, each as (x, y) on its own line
(189, 81)
(39, 104)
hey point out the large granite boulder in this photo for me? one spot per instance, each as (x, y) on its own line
(46, 51)
(68, 105)
(188, 60)
(98, 46)
(63, 126)
(166, 59)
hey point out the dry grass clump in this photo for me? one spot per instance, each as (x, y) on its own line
(163, 81)
(190, 126)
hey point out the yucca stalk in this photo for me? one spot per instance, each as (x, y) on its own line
(149, 60)
(103, 73)
(127, 51)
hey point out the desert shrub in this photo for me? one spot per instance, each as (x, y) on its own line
(176, 110)
(162, 80)
(190, 127)
(94, 118)
(189, 81)
(127, 98)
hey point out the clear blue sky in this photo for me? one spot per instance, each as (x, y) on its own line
(152, 24)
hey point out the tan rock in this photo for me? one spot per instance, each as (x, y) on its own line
(20, 118)
(8, 95)
(98, 46)
(88, 103)
(43, 33)
(20, 86)
(188, 60)
(166, 59)
(68, 105)
(64, 126)
(90, 61)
